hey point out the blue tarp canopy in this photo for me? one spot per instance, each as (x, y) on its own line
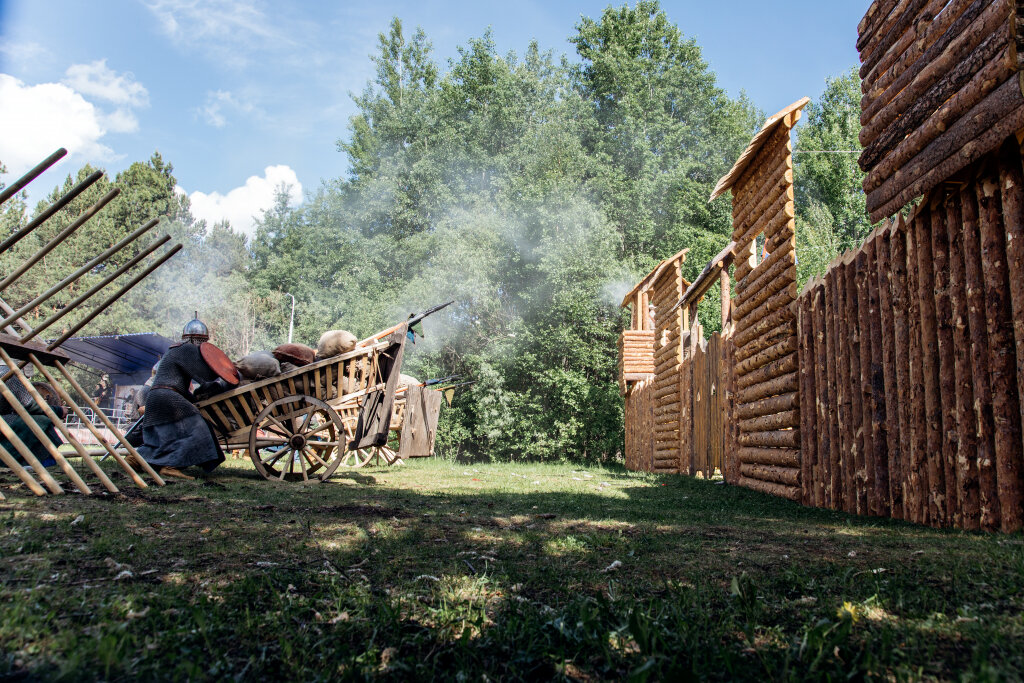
(127, 358)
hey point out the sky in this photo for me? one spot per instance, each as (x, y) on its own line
(242, 96)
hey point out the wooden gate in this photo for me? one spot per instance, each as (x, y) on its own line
(708, 429)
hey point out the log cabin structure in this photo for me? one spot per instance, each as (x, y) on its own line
(650, 353)
(893, 383)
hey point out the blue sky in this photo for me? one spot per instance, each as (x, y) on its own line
(243, 95)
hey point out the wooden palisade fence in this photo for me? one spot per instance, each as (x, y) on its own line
(893, 385)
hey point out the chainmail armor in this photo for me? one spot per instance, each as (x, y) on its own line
(19, 391)
(179, 367)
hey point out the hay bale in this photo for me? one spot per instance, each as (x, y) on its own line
(258, 365)
(334, 343)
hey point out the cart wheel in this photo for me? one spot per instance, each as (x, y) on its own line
(296, 438)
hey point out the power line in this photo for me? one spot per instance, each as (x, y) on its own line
(826, 151)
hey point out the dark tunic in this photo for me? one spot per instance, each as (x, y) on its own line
(21, 429)
(174, 434)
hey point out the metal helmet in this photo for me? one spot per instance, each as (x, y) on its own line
(195, 331)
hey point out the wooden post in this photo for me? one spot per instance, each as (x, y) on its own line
(878, 473)
(846, 500)
(1011, 182)
(917, 467)
(965, 424)
(855, 468)
(988, 494)
(828, 414)
(947, 374)
(806, 363)
(822, 399)
(113, 430)
(930, 361)
(898, 470)
(1002, 365)
(866, 459)
(20, 446)
(59, 423)
(893, 494)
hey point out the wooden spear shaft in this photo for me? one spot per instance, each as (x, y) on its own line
(24, 180)
(24, 450)
(113, 430)
(59, 423)
(22, 473)
(80, 299)
(88, 422)
(78, 273)
(58, 239)
(49, 211)
(43, 439)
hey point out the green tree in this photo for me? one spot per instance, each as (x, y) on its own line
(829, 196)
(665, 133)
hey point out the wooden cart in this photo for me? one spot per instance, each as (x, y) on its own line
(304, 424)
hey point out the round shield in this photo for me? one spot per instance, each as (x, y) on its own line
(219, 362)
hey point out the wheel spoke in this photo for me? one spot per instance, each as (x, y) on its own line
(308, 418)
(302, 463)
(321, 428)
(311, 454)
(269, 462)
(284, 430)
(273, 430)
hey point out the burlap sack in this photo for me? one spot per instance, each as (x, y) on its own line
(334, 343)
(296, 354)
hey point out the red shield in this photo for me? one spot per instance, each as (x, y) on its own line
(219, 362)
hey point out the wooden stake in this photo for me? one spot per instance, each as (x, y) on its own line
(898, 469)
(893, 494)
(923, 226)
(988, 493)
(947, 373)
(965, 423)
(808, 410)
(878, 473)
(1002, 365)
(1011, 183)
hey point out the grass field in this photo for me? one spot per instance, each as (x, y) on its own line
(493, 572)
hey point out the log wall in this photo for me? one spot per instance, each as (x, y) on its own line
(941, 88)
(765, 374)
(923, 383)
(670, 345)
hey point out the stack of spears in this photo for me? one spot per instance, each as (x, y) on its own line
(21, 345)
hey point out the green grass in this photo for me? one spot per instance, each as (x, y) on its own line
(497, 572)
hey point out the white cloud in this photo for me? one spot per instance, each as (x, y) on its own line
(228, 29)
(98, 80)
(218, 102)
(23, 52)
(242, 204)
(38, 119)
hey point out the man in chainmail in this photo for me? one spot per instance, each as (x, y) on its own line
(174, 434)
(8, 415)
